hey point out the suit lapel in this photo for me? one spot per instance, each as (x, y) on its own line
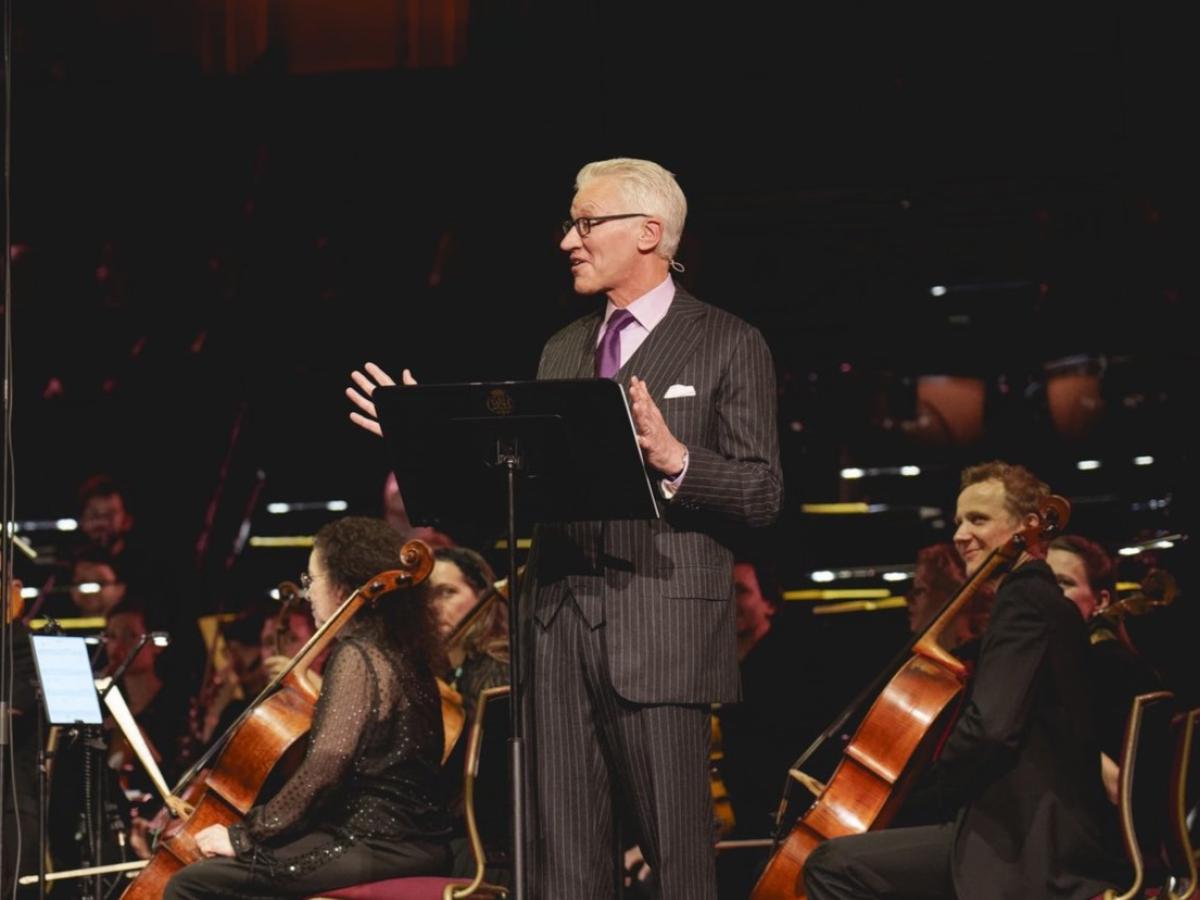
(575, 357)
(587, 353)
(668, 347)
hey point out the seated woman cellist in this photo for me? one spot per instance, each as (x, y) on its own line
(367, 802)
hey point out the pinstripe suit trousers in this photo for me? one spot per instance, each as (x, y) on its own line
(591, 750)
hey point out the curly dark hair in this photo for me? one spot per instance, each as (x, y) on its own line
(354, 550)
(1024, 493)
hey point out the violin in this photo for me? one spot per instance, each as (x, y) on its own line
(265, 736)
(899, 733)
(1158, 589)
(460, 632)
(454, 716)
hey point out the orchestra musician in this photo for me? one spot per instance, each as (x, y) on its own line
(1087, 576)
(1118, 673)
(472, 618)
(367, 802)
(476, 651)
(1015, 798)
(155, 703)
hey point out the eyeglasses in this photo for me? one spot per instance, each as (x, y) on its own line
(585, 224)
(306, 581)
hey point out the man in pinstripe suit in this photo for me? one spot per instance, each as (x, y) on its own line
(633, 621)
(633, 634)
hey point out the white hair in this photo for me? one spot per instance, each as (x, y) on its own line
(648, 188)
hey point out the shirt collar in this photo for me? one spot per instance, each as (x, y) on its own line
(650, 308)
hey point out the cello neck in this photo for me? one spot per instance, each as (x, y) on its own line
(316, 645)
(1051, 518)
(293, 673)
(929, 643)
(415, 554)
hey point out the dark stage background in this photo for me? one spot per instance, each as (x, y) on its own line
(962, 233)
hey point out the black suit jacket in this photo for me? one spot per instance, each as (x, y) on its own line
(1024, 755)
(664, 589)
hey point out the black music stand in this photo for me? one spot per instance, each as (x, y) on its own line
(67, 690)
(460, 448)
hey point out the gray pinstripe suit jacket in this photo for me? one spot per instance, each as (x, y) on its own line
(663, 589)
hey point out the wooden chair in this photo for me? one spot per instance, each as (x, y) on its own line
(445, 887)
(1145, 765)
(1183, 799)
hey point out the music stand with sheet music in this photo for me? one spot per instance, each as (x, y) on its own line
(65, 678)
(461, 448)
(68, 693)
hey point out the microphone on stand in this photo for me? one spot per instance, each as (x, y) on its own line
(160, 639)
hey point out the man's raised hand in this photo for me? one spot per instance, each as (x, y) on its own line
(370, 378)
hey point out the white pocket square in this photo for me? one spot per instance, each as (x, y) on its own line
(679, 390)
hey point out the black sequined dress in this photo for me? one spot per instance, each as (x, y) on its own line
(366, 803)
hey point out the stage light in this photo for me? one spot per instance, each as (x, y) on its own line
(949, 410)
(1073, 394)
(279, 508)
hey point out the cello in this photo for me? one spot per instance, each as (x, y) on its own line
(899, 733)
(266, 734)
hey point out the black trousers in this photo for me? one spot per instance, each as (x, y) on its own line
(338, 864)
(591, 747)
(909, 863)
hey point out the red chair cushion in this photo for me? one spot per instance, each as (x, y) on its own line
(423, 887)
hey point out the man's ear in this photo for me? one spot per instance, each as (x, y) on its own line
(650, 235)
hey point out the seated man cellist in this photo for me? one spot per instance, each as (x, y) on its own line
(1015, 797)
(367, 802)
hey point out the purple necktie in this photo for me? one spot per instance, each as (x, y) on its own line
(608, 353)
